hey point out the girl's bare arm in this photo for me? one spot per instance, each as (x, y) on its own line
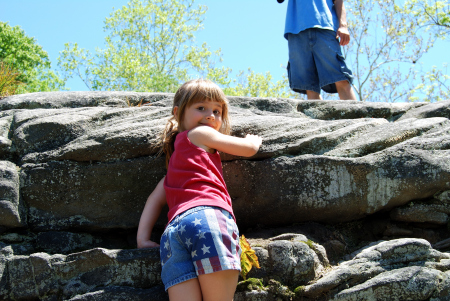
(150, 214)
(204, 136)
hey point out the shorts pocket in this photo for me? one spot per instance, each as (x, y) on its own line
(288, 68)
(344, 69)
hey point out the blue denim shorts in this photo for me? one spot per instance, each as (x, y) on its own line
(201, 240)
(316, 61)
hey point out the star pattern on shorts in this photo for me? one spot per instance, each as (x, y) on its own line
(194, 253)
(205, 249)
(200, 234)
(188, 242)
(182, 229)
(166, 245)
(197, 222)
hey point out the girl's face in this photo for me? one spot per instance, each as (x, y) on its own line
(207, 112)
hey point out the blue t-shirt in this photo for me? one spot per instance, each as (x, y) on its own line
(304, 14)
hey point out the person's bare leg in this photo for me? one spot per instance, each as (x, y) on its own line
(313, 95)
(186, 291)
(345, 90)
(219, 286)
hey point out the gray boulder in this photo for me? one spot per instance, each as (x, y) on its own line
(346, 109)
(86, 134)
(52, 100)
(65, 195)
(40, 275)
(330, 164)
(293, 262)
(120, 293)
(403, 269)
(436, 109)
(77, 167)
(5, 142)
(333, 189)
(410, 283)
(11, 211)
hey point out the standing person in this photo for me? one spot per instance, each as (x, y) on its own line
(200, 253)
(315, 30)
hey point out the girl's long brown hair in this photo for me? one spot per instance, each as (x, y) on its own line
(189, 93)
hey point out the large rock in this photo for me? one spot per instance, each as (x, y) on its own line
(292, 259)
(345, 109)
(39, 275)
(121, 293)
(435, 211)
(5, 132)
(52, 100)
(332, 189)
(437, 109)
(91, 196)
(337, 166)
(11, 211)
(410, 283)
(404, 269)
(87, 134)
(77, 167)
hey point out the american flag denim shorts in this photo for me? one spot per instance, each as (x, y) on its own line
(201, 240)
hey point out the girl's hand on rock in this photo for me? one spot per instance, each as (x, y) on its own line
(255, 140)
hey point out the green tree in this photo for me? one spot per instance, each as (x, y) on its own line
(432, 16)
(8, 80)
(28, 59)
(384, 48)
(150, 46)
(388, 41)
(255, 84)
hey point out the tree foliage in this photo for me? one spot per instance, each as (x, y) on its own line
(29, 61)
(388, 42)
(150, 46)
(432, 16)
(384, 49)
(253, 84)
(8, 80)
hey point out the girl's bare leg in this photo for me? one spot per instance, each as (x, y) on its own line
(186, 291)
(219, 286)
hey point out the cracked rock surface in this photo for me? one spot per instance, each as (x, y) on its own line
(344, 201)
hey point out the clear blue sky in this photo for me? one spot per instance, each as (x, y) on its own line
(249, 32)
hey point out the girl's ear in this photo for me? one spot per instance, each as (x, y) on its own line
(175, 110)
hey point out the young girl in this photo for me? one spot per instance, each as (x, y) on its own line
(200, 254)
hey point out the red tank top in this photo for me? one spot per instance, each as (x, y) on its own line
(194, 178)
